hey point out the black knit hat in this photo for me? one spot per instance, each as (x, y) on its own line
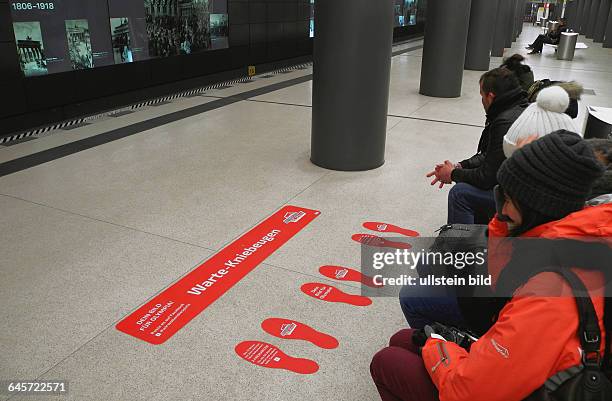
(553, 175)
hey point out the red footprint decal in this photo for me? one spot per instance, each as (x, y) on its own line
(389, 228)
(375, 240)
(292, 330)
(346, 274)
(329, 293)
(269, 356)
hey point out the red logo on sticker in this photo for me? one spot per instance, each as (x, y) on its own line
(165, 314)
(380, 242)
(329, 293)
(270, 356)
(347, 274)
(292, 330)
(389, 228)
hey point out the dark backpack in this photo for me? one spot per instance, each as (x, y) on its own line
(589, 381)
(478, 310)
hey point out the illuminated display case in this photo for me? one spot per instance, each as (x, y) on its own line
(405, 12)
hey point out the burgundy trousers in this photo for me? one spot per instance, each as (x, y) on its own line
(399, 372)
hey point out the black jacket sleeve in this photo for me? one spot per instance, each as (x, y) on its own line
(473, 161)
(476, 160)
(484, 176)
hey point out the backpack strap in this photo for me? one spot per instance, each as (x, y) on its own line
(607, 365)
(588, 328)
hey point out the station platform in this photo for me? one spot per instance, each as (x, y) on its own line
(101, 218)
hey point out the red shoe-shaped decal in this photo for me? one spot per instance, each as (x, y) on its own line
(389, 228)
(346, 274)
(269, 356)
(332, 294)
(292, 330)
(375, 240)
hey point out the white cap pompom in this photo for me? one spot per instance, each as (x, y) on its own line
(553, 98)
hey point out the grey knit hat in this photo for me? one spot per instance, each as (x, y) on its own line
(544, 116)
(553, 175)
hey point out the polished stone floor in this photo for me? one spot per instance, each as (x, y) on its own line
(91, 236)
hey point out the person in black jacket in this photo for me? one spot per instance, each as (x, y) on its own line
(551, 37)
(471, 199)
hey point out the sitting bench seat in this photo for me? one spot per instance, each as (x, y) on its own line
(579, 45)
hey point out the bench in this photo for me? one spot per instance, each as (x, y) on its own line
(567, 47)
(579, 45)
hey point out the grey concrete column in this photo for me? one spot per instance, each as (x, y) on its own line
(571, 14)
(608, 36)
(585, 16)
(445, 40)
(516, 19)
(510, 23)
(515, 22)
(351, 83)
(602, 21)
(592, 18)
(522, 22)
(579, 15)
(480, 34)
(499, 36)
(522, 16)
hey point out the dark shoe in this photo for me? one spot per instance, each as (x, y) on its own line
(534, 52)
(529, 47)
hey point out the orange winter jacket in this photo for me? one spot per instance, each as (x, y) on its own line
(534, 338)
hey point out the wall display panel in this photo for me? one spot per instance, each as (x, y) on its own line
(66, 35)
(219, 31)
(128, 31)
(186, 26)
(406, 12)
(61, 35)
(312, 18)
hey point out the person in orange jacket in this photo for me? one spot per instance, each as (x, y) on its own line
(545, 186)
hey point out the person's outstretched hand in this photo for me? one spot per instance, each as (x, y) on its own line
(442, 174)
(435, 175)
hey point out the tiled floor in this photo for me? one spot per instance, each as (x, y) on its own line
(91, 236)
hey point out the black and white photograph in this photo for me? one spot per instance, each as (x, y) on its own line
(30, 48)
(219, 37)
(79, 44)
(178, 26)
(121, 38)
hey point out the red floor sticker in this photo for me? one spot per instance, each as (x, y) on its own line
(165, 314)
(292, 330)
(375, 240)
(346, 274)
(389, 228)
(269, 356)
(332, 294)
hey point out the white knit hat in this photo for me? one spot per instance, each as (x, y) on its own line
(544, 116)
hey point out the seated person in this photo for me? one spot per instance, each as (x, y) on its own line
(422, 306)
(544, 116)
(602, 189)
(522, 71)
(551, 37)
(503, 100)
(573, 89)
(545, 186)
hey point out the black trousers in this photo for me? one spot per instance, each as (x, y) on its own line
(538, 44)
